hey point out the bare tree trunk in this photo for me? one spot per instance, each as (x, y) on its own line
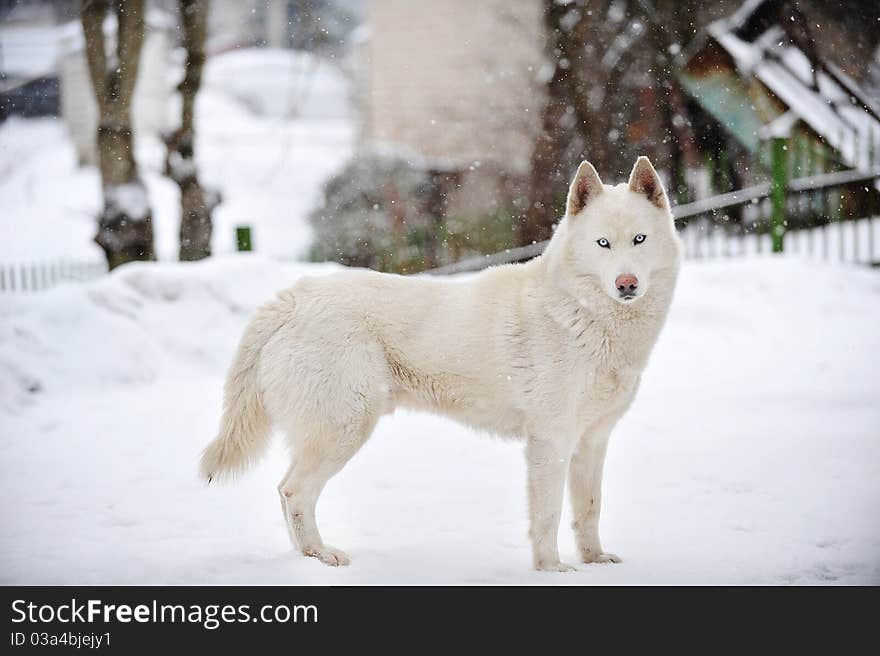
(669, 24)
(566, 116)
(596, 48)
(125, 226)
(196, 203)
(544, 183)
(551, 141)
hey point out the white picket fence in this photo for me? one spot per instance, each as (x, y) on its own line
(852, 241)
(32, 277)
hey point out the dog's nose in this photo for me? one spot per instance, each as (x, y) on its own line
(626, 283)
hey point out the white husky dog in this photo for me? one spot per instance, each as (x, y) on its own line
(550, 351)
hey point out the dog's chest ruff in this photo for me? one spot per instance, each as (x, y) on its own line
(612, 356)
(609, 391)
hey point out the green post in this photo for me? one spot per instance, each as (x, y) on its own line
(243, 238)
(797, 157)
(777, 194)
(681, 190)
(710, 169)
(724, 164)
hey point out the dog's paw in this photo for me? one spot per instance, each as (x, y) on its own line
(600, 557)
(557, 566)
(329, 555)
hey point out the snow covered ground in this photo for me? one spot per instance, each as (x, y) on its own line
(268, 159)
(751, 454)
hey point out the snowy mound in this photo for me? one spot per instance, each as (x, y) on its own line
(139, 325)
(751, 454)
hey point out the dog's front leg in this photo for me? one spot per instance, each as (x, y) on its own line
(547, 464)
(585, 485)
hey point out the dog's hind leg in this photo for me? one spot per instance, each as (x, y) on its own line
(316, 461)
(284, 512)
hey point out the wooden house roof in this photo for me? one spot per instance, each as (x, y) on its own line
(758, 74)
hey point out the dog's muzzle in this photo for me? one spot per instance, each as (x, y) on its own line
(627, 285)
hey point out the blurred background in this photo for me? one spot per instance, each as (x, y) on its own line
(405, 136)
(277, 139)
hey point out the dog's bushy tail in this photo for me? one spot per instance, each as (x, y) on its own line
(246, 427)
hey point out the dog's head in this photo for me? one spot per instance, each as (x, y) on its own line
(618, 237)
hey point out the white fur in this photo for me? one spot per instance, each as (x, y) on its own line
(545, 351)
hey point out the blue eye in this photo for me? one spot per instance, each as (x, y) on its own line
(639, 238)
(604, 243)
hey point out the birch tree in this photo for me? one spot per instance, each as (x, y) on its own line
(125, 227)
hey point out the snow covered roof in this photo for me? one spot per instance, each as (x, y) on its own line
(73, 39)
(28, 51)
(814, 92)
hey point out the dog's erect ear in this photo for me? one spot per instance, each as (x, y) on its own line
(584, 188)
(644, 180)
